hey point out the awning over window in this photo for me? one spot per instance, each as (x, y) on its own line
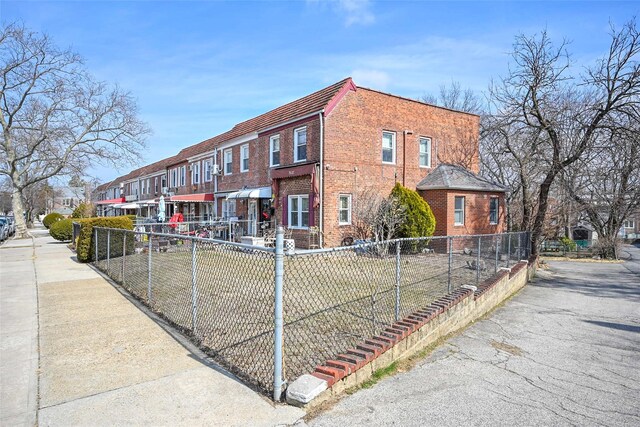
(251, 193)
(201, 197)
(129, 206)
(110, 201)
(148, 202)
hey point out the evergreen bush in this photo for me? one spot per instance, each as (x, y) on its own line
(85, 248)
(419, 220)
(51, 218)
(62, 230)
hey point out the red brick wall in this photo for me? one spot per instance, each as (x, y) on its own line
(476, 220)
(353, 139)
(297, 186)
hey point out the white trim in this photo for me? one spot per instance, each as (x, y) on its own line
(393, 148)
(242, 158)
(224, 161)
(296, 131)
(340, 209)
(182, 176)
(271, 151)
(464, 202)
(428, 153)
(238, 140)
(299, 211)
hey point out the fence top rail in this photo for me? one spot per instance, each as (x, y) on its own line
(192, 238)
(365, 245)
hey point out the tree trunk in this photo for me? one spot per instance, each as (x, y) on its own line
(17, 204)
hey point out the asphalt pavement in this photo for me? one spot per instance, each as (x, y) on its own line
(564, 351)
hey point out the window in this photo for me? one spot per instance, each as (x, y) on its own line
(207, 170)
(148, 185)
(164, 181)
(155, 185)
(195, 173)
(458, 211)
(388, 147)
(174, 177)
(425, 152)
(300, 145)
(183, 176)
(228, 208)
(274, 150)
(494, 206)
(298, 211)
(244, 158)
(629, 224)
(344, 209)
(228, 162)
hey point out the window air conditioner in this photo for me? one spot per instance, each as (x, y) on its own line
(215, 170)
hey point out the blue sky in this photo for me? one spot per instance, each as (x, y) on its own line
(199, 67)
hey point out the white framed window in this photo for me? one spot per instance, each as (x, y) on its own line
(228, 208)
(183, 176)
(458, 211)
(163, 180)
(155, 185)
(195, 173)
(494, 210)
(425, 152)
(244, 158)
(207, 170)
(344, 209)
(174, 177)
(228, 161)
(629, 224)
(388, 147)
(298, 211)
(148, 185)
(274, 150)
(300, 144)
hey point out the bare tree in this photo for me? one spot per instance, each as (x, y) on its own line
(56, 119)
(375, 217)
(605, 184)
(565, 114)
(456, 98)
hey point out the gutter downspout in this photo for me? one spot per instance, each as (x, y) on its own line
(215, 183)
(321, 213)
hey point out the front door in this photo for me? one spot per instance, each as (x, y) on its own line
(253, 216)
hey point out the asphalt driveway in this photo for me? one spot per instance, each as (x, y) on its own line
(564, 351)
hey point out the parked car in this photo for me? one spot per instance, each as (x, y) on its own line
(12, 225)
(4, 229)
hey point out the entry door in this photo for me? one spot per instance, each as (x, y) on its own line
(253, 216)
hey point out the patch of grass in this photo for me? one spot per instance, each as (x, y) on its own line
(380, 374)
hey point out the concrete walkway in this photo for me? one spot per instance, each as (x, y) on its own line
(102, 360)
(564, 351)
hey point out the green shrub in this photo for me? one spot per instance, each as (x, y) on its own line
(569, 245)
(51, 218)
(85, 248)
(62, 230)
(419, 220)
(84, 210)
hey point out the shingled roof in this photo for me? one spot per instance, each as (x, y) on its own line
(453, 177)
(299, 108)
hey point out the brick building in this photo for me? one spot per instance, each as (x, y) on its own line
(304, 164)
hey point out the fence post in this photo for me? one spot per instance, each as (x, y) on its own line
(478, 261)
(509, 250)
(397, 280)
(495, 270)
(450, 259)
(277, 350)
(194, 288)
(108, 248)
(124, 252)
(150, 249)
(95, 258)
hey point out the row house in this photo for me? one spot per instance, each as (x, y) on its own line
(306, 164)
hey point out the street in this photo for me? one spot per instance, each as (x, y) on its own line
(564, 351)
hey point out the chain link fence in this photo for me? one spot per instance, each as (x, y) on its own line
(228, 299)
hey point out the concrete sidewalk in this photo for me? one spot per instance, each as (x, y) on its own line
(105, 362)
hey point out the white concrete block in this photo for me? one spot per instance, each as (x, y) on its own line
(304, 389)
